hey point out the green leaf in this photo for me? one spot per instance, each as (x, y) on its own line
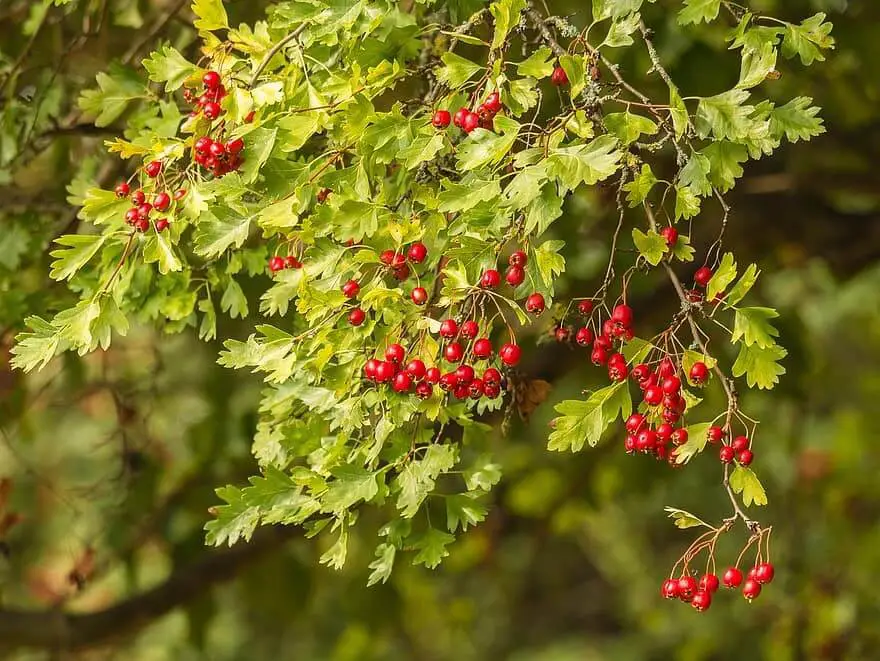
(743, 286)
(575, 69)
(484, 474)
(620, 31)
(432, 548)
(417, 479)
(638, 189)
(35, 347)
(463, 509)
(538, 65)
(695, 174)
(760, 365)
(585, 421)
(723, 276)
(796, 120)
(351, 485)
(549, 262)
(234, 302)
(456, 70)
(210, 15)
(753, 325)
(543, 210)
(216, 234)
(683, 250)
(102, 206)
(744, 481)
(651, 246)
(423, 148)
(589, 163)
(116, 90)
(724, 161)
(724, 115)
(464, 195)
(628, 127)
(168, 66)
(696, 443)
(683, 519)
(382, 565)
(697, 11)
(77, 251)
(678, 112)
(484, 147)
(808, 39)
(756, 64)
(603, 9)
(506, 14)
(519, 96)
(525, 186)
(687, 204)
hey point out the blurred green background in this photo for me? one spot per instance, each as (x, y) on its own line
(112, 459)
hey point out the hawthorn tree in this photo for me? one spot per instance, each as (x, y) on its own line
(391, 178)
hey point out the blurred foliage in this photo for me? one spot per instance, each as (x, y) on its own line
(119, 452)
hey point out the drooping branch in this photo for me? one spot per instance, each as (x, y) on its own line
(62, 631)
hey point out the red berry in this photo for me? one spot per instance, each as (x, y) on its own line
(510, 354)
(386, 257)
(417, 252)
(464, 373)
(441, 119)
(623, 315)
(250, 117)
(702, 600)
(493, 102)
(153, 168)
(702, 276)
(142, 224)
(646, 439)
(211, 80)
(680, 436)
(471, 121)
(453, 352)
(235, 146)
(687, 585)
(640, 372)
(476, 388)
(162, 224)
(131, 215)
(448, 328)
(416, 369)
(629, 444)
(291, 262)
(664, 432)
(745, 457)
(180, 193)
(599, 355)
(671, 385)
(585, 307)
(212, 110)
(714, 434)
(144, 210)
(432, 375)
(670, 589)
(482, 348)
(491, 375)
(370, 368)
(670, 234)
(732, 577)
(665, 368)
(491, 390)
(584, 336)
(635, 422)
(559, 77)
(740, 443)
(460, 115)
(276, 264)
(491, 279)
(535, 304)
(322, 196)
(709, 583)
(751, 589)
(395, 353)
(726, 454)
(419, 296)
(402, 382)
(351, 289)
(424, 390)
(699, 373)
(401, 272)
(470, 329)
(461, 391)
(562, 333)
(138, 198)
(161, 201)
(515, 276)
(653, 396)
(448, 381)
(518, 258)
(217, 149)
(764, 573)
(122, 189)
(356, 317)
(617, 371)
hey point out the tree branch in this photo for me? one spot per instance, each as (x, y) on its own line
(61, 631)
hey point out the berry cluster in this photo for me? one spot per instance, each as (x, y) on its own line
(218, 157)
(138, 216)
(468, 120)
(279, 263)
(699, 593)
(208, 103)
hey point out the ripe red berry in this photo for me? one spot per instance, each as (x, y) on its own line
(671, 385)
(751, 589)
(559, 77)
(670, 588)
(740, 443)
(144, 210)
(670, 234)
(131, 215)
(482, 348)
(460, 115)
(432, 375)
(471, 121)
(623, 315)
(714, 434)
(417, 252)
(562, 333)
(665, 368)
(416, 369)
(640, 372)
(518, 258)
(745, 457)
(490, 279)
(291, 262)
(510, 354)
(356, 317)
(153, 169)
(448, 328)
(235, 146)
(726, 454)
(708, 583)
(476, 388)
(351, 289)
(470, 329)
(203, 144)
(585, 307)
(634, 423)
(664, 432)
(401, 272)
(441, 119)
(702, 600)
(699, 373)
(250, 117)
(322, 196)
(395, 353)
(535, 304)
(732, 577)
(687, 585)
(179, 194)
(653, 396)
(370, 368)
(419, 296)
(122, 189)
(680, 436)
(491, 375)
(212, 110)
(599, 355)
(584, 336)
(161, 201)
(402, 382)
(424, 390)
(138, 198)
(453, 352)
(764, 573)
(515, 275)
(162, 224)
(464, 373)
(461, 391)
(276, 263)
(493, 102)
(142, 224)
(386, 257)
(702, 276)
(211, 80)
(646, 439)
(448, 381)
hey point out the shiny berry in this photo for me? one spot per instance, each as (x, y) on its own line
(708, 583)
(122, 189)
(535, 304)
(453, 352)
(510, 354)
(680, 436)
(424, 390)
(751, 589)
(562, 333)
(138, 198)
(441, 119)
(726, 454)
(370, 368)
(153, 169)
(395, 353)
(623, 315)
(490, 279)
(491, 375)
(179, 194)
(732, 577)
(518, 258)
(702, 600)
(351, 289)
(670, 234)
(559, 77)
(471, 121)
(162, 224)
(142, 224)
(432, 375)
(599, 355)
(211, 80)
(635, 422)
(385, 371)
(235, 146)
(464, 373)
(416, 369)
(764, 573)
(161, 201)
(671, 385)
(417, 252)
(291, 262)
(470, 329)
(356, 317)
(670, 589)
(419, 296)
(687, 585)
(702, 276)
(745, 457)
(482, 348)
(740, 443)
(402, 382)
(714, 434)
(699, 373)
(493, 102)
(448, 328)
(476, 388)
(276, 264)
(653, 396)
(460, 115)
(515, 276)
(585, 307)
(584, 336)
(211, 110)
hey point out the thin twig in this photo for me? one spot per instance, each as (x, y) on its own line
(274, 51)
